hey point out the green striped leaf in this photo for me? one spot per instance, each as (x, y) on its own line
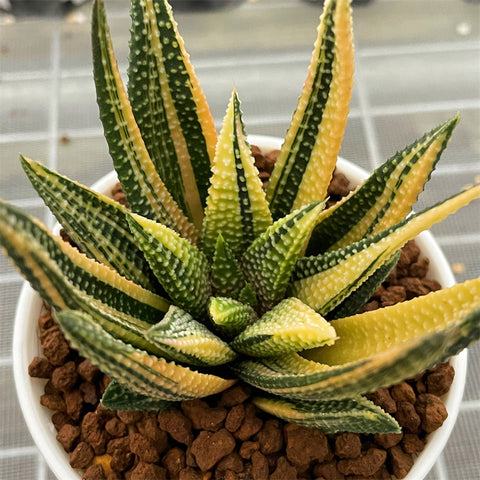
(324, 281)
(180, 267)
(314, 138)
(227, 276)
(189, 341)
(119, 397)
(301, 378)
(386, 197)
(96, 223)
(269, 261)
(145, 190)
(230, 316)
(346, 415)
(67, 279)
(359, 297)
(236, 204)
(170, 107)
(136, 369)
(290, 326)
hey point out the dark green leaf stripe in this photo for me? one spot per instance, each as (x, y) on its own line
(95, 222)
(180, 267)
(136, 369)
(322, 282)
(189, 341)
(381, 370)
(269, 261)
(386, 197)
(355, 414)
(169, 106)
(312, 142)
(120, 397)
(145, 190)
(236, 205)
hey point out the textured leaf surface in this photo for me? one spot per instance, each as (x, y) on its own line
(294, 377)
(145, 190)
(322, 282)
(119, 397)
(170, 107)
(236, 204)
(314, 138)
(66, 278)
(230, 316)
(96, 223)
(351, 415)
(290, 326)
(189, 341)
(386, 197)
(366, 334)
(269, 261)
(134, 368)
(180, 267)
(227, 276)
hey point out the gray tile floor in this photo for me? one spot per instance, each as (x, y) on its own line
(417, 64)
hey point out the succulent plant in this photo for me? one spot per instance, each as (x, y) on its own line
(208, 279)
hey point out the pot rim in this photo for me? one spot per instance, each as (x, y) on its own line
(26, 346)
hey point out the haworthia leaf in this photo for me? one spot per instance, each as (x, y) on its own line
(227, 276)
(322, 282)
(290, 326)
(189, 341)
(96, 223)
(355, 414)
(270, 259)
(314, 138)
(236, 204)
(230, 316)
(66, 278)
(145, 190)
(180, 267)
(170, 107)
(134, 368)
(386, 197)
(366, 334)
(357, 299)
(313, 380)
(119, 397)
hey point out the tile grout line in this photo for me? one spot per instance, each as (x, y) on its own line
(440, 468)
(370, 132)
(18, 452)
(42, 468)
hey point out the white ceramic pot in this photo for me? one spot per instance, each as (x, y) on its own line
(26, 345)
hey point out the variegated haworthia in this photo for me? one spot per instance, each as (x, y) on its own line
(208, 279)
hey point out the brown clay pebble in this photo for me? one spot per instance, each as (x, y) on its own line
(387, 440)
(270, 437)
(328, 471)
(59, 419)
(401, 462)
(94, 472)
(53, 401)
(174, 461)
(383, 399)
(284, 471)
(143, 448)
(403, 392)
(94, 433)
(348, 445)
(235, 417)
(129, 417)
(412, 443)
(177, 425)
(144, 471)
(190, 473)
(40, 368)
(232, 462)
(74, 404)
(116, 428)
(251, 424)
(87, 371)
(259, 466)
(235, 396)
(148, 426)
(305, 445)
(367, 464)
(407, 417)
(55, 347)
(82, 456)
(209, 447)
(68, 436)
(440, 379)
(65, 376)
(248, 448)
(202, 416)
(432, 411)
